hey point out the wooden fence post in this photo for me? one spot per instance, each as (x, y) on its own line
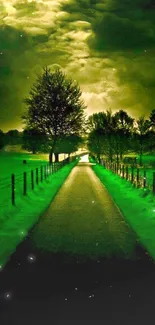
(153, 187)
(123, 171)
(37, 178)
(41, 173)
(127, 173)
(50, 168)
(32, 179)
(25, 184)
(13, 189)
(45, 171)
(144, 179)
(120, 169)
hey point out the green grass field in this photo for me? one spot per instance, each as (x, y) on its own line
(16, 221)
(12, 163)
(136, 205)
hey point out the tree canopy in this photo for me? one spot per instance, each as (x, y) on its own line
(54, 107)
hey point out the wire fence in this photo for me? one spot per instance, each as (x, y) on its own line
(140, 177)
(21, 184)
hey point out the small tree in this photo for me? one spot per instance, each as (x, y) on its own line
(69, 144)
(2, 139)
(101, 137)
(13, 137)
(140, 135)
(123, 130)
(55, 108)
(152, 119)
(96, 142)
(34, 141)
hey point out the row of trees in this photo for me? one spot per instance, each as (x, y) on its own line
(35, 142)
(55, 122)
(114, 135)
(11, 137)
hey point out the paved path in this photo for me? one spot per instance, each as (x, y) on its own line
(83, 219)
(45, 288)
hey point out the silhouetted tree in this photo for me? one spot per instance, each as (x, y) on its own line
(141, 130)
(97, 121)
(13, 137)
(123, 131)
(152, 120)
(102, 126)
(55, 107)
(2, 139)
(96, 142)
(68, 144)
(151, 133)
(34, 141)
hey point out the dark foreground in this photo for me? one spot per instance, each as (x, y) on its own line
(44, 288)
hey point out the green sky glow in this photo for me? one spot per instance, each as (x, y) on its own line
(107, 46)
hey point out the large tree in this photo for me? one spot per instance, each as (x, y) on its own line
(55, 107)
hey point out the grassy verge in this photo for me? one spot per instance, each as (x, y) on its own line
(21, 218)
(136, 205)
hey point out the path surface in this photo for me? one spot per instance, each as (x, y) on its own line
(40, 287)
(83, 219)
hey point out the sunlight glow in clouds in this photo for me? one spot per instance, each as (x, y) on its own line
(108, 47)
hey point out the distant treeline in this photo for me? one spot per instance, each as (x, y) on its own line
(115, 134)
(12, 137)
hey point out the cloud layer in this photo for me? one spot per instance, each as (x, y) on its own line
(108, 47)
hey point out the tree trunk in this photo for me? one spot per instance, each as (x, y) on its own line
(99, 158)
(140, 160)
(56, 157)
(121, 156)
(50, 157)
(52, 151)
(117, 158)
(141, 152)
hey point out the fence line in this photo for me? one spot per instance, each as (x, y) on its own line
(45, 172)
(20, 184)
(132, 174)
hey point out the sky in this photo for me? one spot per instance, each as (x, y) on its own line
(107, 46)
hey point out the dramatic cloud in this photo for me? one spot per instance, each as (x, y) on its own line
(107, 46)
